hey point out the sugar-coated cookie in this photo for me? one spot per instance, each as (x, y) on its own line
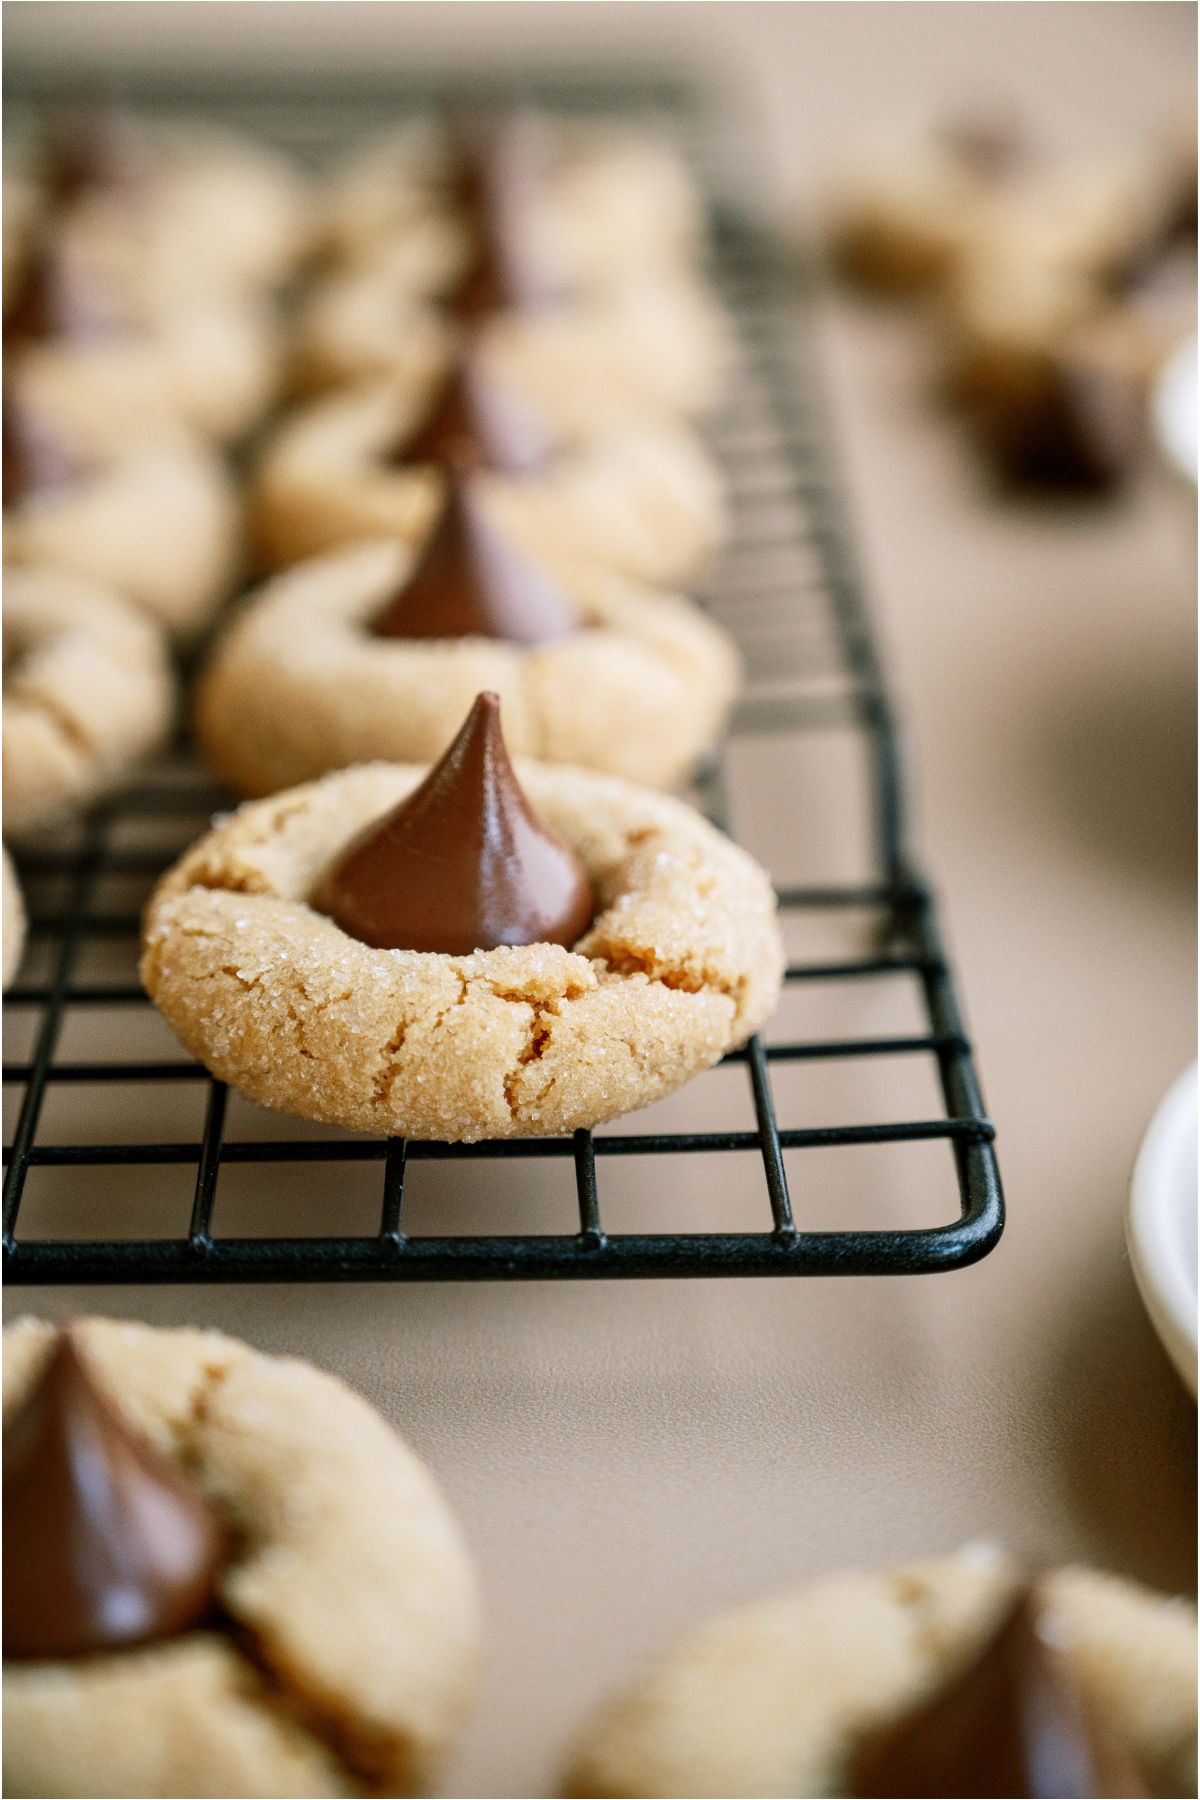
(610, 203)
(658, 344)
(14, 921)
(88, 693)
(341, 1655)
(776, 1698)
(1052, 374)
(682, 962)
(152, 514)
(197, 210)
(645, 499)
(297, 685)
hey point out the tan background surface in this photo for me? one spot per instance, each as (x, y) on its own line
(625, 1458)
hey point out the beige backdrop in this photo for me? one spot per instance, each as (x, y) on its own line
(626, 1458)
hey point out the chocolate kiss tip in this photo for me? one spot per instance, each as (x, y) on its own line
(470, 581)
(106, 1543)
(477, 422)
(463, 864)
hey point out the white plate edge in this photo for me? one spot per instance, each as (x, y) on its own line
(1162, 1282)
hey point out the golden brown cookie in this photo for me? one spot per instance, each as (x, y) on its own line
(906, 213)
(153, 515)
(297, 685)
(682, 962)
(1053, 373)
(775, 1699)
(205, 211)
(645, 500)
(14, 922)
(88, 693)
(144, 353)
(345, 1658)
(659, 344)
(613, 203)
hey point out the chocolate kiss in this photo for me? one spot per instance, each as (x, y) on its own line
(463, 864)
(989, 147)
(1079, 426)
(477, 422)
(35, 459)
(470, 581)
(91, 146)
(1011, 1724)
(57, 299)
(500, 173)
(106, 1543)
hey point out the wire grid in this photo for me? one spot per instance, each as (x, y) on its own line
(786, 583)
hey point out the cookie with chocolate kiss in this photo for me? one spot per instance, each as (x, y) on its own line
(1011, 1722)
(106, 1543)
(463, 864)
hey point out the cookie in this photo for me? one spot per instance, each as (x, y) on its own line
(779, 1698)
(88, 693)
(1053, 375)
(907, 213)
(682, 962)
(645, 500)
(152, 515)
(659, 344)
(298, 685)
(341, 1655)
(140, 350)
(14, 921)
(1095, 219)
(609, 203)
(198, 209)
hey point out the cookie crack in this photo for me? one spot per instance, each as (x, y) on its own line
(279, 1691)
(531, 1051)
(74, 736)
(630, 961)
(387, 1076)
(364, 1767)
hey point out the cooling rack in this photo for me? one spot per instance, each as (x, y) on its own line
(788, 589)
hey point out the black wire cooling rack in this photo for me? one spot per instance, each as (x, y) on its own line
(788, 589)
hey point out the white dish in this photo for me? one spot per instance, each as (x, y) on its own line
(1174, 405)
(1161, 1223)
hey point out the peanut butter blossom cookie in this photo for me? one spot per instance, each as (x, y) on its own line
(376, 652)
(88, 695)
(958, 1676)
(600, 203)
(469, 952)
(14, 921)
(652, 335)
(223, 1574)
(641, 496)
(150, 513)
(196, 208)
